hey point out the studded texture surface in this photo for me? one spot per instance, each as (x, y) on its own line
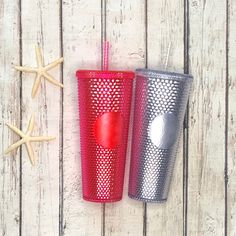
(151, 168)
(102, 167)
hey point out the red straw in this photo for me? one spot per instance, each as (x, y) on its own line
(105, 55)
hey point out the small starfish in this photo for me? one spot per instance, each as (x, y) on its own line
(26, 139)
(41, 71)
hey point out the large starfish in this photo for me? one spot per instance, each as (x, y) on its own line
(41, 71)
(26, 139)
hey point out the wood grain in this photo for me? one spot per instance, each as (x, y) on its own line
(166, 29)
(126, 33)
(40, 184)
(231, 147)
(51, 201)
(82, 50)
(206, 199)
(9, 112)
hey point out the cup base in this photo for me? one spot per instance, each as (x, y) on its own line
(147, 199)
(102, 200)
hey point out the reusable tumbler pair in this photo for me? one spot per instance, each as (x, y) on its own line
(104, 106)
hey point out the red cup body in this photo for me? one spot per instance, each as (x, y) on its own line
(104, 108)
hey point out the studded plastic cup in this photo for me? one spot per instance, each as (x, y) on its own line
(160, 103)
(104, 108)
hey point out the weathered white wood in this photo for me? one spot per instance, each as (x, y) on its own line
(166, 31)
(207, 118)
(40, 184)
(231, 218)
(82, 50)
(81, 47)
(9, 112)
(126, 34)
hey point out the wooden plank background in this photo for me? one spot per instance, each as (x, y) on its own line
(46, 199)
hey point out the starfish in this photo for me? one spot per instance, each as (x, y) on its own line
(26, 139)
(41, 71)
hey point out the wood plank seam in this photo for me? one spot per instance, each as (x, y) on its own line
(226, 113)
(146, 66)
(186, 122)
(230, 147)
(61, 125)
(21, 99)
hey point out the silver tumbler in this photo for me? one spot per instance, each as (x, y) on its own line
(160, 103)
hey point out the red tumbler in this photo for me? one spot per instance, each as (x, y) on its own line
(104, 108)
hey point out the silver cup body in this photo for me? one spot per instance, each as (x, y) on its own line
(160, 103)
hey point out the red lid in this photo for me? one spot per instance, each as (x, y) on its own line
(104, 74)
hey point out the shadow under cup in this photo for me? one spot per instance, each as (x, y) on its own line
(104, 110)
